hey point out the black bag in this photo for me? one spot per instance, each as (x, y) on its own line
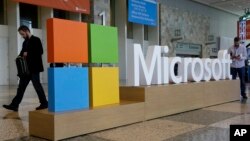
(22, 67)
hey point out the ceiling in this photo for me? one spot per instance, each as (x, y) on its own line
(233, 6)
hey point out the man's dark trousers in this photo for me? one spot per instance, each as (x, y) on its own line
(241, 73)
(23, 83)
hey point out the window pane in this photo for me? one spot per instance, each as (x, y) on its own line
(112, 12)
(87, 18)
(2, 12)
(130, 30)
(29, 15)
(61, 14)
(129, 27)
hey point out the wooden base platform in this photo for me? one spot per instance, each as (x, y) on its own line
(59, 126)
(163, 100)
(138, 104)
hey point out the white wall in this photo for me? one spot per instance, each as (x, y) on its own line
(13, 20)
(226, 42)
(4, 71)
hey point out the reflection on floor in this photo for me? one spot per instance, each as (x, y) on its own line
(208, 124)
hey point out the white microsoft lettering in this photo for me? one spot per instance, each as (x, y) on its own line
(173, 78)
(184, 68)
(165, 68)
(207, 69)
(224, 57)
(216, 69)
(159, 69)
(197, 71)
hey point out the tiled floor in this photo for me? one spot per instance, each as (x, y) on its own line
(208, 124)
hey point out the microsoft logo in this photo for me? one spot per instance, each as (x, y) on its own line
(74, 88)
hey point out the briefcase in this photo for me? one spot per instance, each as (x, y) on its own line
(22, 67)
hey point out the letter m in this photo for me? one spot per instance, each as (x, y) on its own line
(141, 72)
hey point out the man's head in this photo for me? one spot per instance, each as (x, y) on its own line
(236, 41)
(24, 31)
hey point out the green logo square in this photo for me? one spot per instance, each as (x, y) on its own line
(103, 45)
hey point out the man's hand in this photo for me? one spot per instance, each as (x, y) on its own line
(237, 57)
(25, 54)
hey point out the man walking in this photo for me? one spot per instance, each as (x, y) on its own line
(32, 51)
(238, 55)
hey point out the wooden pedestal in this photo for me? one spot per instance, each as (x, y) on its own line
(163, 100)
(58, 126)
(138, 104)
(221, 92)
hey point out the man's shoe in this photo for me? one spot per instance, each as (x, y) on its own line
(244, 97)
(42, 107)
(10, 107)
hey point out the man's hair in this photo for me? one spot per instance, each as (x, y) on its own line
(23, 28)
(236, 39)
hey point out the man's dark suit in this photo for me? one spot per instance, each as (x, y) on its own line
(33, 47)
